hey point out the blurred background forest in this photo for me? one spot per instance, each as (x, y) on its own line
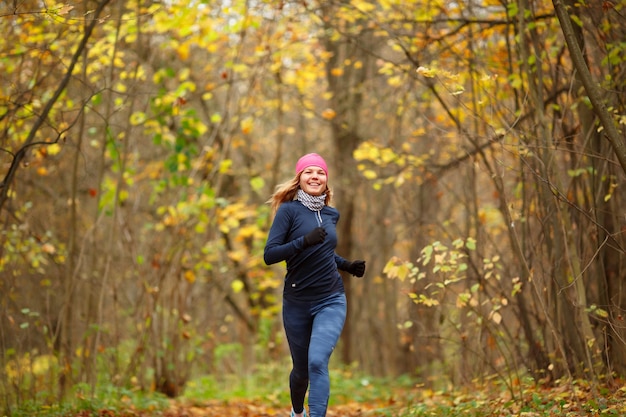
(476, 151)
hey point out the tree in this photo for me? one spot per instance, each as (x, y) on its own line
(611, 254)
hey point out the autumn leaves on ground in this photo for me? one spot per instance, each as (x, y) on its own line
(234, 409)
(574, 399)
(243, 408)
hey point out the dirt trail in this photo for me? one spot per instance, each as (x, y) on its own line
(244, 409)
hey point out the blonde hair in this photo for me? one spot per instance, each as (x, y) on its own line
(287, 192)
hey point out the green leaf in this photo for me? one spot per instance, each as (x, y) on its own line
(576, 20)
(257, 183)
(512, 9)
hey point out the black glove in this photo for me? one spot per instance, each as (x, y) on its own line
(314, 237)
(356, 268)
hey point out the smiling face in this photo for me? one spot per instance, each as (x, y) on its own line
(313, 180)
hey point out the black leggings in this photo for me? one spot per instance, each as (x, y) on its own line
(313, 329)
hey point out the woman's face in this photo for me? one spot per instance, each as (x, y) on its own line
(313, 180)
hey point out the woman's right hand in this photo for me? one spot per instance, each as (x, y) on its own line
(314, 237)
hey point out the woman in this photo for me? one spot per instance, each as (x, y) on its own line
(314, 303)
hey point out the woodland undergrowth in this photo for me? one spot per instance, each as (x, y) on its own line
(265, 394)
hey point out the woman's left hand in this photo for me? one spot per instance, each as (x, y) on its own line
(356, 268)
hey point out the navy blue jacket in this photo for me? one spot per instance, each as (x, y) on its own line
(311, 272)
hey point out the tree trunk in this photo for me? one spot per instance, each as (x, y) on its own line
(569, 295)
(346, 99)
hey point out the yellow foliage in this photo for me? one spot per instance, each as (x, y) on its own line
(190, 276)
(237, 256)
(183, 75)
(329, 114)
(61, 9)
(39, 365)
(370, 174)
(248, 231)
(246, 125)
(363, 6)
(137, 118)
(237, 286)
(225, 166)
(426, 72)
(183, 51)
(228, 223)
(395, 81)
(396, 268)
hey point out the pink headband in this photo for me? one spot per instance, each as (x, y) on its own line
(311, 159)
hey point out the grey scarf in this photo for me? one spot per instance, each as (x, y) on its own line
(312, 202)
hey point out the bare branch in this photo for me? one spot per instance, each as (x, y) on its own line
(19, 155)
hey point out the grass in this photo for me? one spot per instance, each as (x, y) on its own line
(115, 400)
(269, 384)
